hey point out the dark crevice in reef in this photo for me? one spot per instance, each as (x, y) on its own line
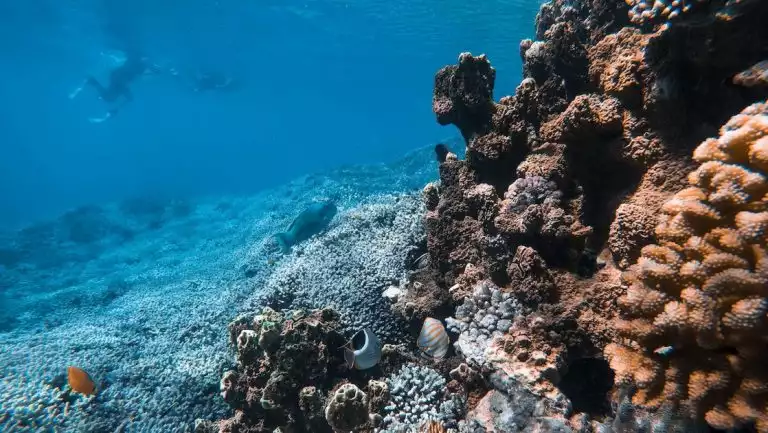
(498, 171)
(604, 179)
(587, 384)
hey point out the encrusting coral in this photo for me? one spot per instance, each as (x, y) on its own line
(695, 309)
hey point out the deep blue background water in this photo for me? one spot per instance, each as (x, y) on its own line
(325, 83)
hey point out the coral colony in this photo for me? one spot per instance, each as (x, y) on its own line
(597, 262)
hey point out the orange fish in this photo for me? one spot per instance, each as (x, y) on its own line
(80, 381)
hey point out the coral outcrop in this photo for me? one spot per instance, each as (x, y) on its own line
(695, 309)
(286, 365)
(347, 408)
(564, 181)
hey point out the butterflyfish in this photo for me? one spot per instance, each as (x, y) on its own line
(363, 351)
(433, 340)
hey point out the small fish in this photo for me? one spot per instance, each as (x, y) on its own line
(433, 340)
(363, 350)
(664, 350)
(80, 381)
(441, 152)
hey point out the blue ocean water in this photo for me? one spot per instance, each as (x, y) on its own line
(323, 83)
(127, 246)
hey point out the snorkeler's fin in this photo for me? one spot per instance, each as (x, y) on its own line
(105, 117)
(76, 91)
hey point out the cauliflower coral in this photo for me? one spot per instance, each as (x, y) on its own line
(694, 318)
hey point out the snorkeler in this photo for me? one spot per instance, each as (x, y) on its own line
(211, 81)
(118, 89)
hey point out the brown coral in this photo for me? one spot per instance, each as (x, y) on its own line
(695, 310)
(285, 365)
(616, 64)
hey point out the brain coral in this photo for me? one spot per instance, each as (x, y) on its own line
(694, 314)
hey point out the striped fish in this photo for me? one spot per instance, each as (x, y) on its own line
(433, 340)
(363, 351)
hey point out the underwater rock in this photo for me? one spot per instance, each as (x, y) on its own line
(378, 395)
(311, 403)
(421, 298)
(463, 94)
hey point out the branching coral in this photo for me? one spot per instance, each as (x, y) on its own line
(350, 264)
(418, 396)
(695, 310)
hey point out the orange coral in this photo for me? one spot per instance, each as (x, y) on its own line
(695, 315)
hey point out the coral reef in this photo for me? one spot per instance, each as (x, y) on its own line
(560, 192)
(532, 236)
(696, 305)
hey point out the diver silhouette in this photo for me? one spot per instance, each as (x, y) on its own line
(203, 80)
(211, 81)
(118, 88)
